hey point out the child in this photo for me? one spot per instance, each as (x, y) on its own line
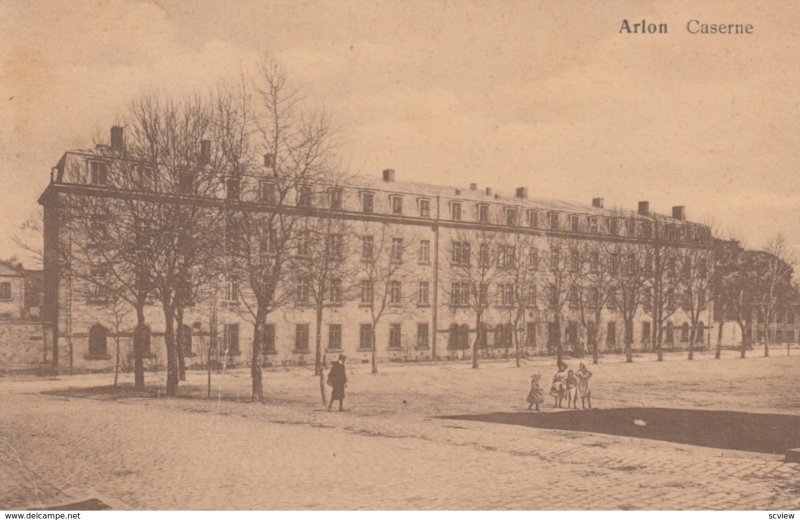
(535, 395)
(572, 390)
(583, 386)
(558, 388)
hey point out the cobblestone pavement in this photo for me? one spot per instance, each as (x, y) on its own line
(65, 439)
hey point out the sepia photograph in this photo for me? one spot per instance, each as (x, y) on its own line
(383, 255)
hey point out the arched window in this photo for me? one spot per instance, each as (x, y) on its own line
(98, 341)
(685, 332)
(670, 333)
(699, 334)
(464, 339)
(141, 336)
(185, 337)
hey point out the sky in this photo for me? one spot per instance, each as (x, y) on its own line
(548, 95)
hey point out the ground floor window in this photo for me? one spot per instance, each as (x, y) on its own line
(141, 336)
(98, 341)
(458, 337)
(334, 336)
(422, 335)
(611, 334)
(301, 337)
(699, 335)
(395, 337)
(268, 338)
(365, 337)
(185, 339)
(530, 334)
(230, 338)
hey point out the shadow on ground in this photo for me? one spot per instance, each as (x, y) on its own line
(765, 433)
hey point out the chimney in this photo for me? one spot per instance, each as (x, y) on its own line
(205, 152)
(388, 175)
(679, 212)
(117, 139)
(644, 207)
(473, 186)
(269, 160)
(488, 190)
(597, 202)
(522, 193)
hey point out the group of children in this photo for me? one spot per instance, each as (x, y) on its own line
(566, 384)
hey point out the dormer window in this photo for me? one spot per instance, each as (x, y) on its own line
(533, 219)
(424, 207)
(397, 204)
(99, 173)
(553, 217)
(593, 225)
(613, 226)
(455, 210)
(483, 213)
(575, 222)
(367, 202)
(335, 198)
(511, 217)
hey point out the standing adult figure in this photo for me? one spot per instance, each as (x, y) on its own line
(337, 378)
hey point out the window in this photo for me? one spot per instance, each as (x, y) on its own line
(458, 337)
(334, 336)
(685, 332)
(647, 230)
(99, 173)
(789, 336)
(553, 218)
(397, 250)
(530, 334)
(575, 261)
(573, 298)
(533, 219)
(304, 197)
(700, 332)
(394, 336)
(646, 332)
(98, 290)
(630, 227)
(483, 213)
(555, 253)
(778, 336)
(594, 262)
(185, 339)
(141, 337)
(613, 264)
(301, 337)
(367, 202)
(530, 299)
(611, 334)
(266, 246)
(304, 243)
(504, 335)
(483, 295)
(98, 225)
(303, 291)
(511, 217)
(336, 246)
(483, 256)
(455, 210)
(593, 225)
(268, 338)
(5, 291)
(613, 226)
(232, 188)
(422, 293)
(395, 294)
(670, 334)
(365, 337)
(366, 292)
(533, 259)
(506, 294)
(594, 297)
(424, 251)
(422, 335)
(552, 296)
(397, 204)
(612, 298)
(230, 338)
(335, 198)
(507, 257)
(575, 223)
(459, 294)
(231, 290)
(98, 341)
(461, 253)
(268, 192)
(367, 243)
(336, 291)
(424, 208)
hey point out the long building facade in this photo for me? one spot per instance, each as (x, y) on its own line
(436, 236)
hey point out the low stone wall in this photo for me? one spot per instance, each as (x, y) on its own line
(22, 347)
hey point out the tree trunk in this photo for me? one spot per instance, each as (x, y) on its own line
(594, 336)
(318, 341)
(628, 341)
(374, 346)
(116, 365)
(257, 395)
(138, 355)
(172, 358)
(559, 348)
(179, 339)
(743, 349)
(323, 392)
(718, 354)
(691, 343)
(516, 344)
(477, 339)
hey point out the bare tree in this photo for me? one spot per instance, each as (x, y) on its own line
(774, 272)
(593, 280)
(663, 277)
(560, 271)
(697, 264)
(519, 267)
(629, 273)
(381, 283)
